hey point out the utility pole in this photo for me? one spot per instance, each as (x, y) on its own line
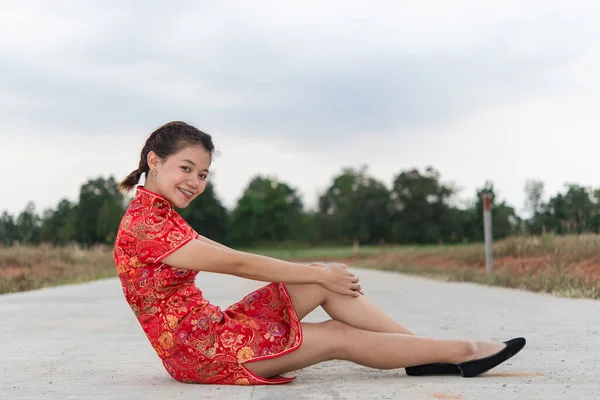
(487, 232)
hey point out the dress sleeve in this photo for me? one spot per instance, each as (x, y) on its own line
(157, 241)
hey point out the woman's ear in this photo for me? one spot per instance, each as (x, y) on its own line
(153, 160)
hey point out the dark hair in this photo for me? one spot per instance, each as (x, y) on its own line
(166, 141)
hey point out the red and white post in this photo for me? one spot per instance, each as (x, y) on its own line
(487, 232)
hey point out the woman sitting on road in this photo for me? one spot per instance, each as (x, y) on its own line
(255, 340)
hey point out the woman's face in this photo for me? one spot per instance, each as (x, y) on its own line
(181, 177)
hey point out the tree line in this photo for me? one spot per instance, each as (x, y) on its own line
(418, 208)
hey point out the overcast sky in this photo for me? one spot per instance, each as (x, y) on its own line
(499, 90)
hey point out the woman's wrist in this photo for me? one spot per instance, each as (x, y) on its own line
(319, 274)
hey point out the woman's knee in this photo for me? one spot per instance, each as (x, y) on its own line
(337, 336)
(336, 326)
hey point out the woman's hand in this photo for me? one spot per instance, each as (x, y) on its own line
(340, 280)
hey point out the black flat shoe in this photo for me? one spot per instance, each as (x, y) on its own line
(433, 369)
(469, 369)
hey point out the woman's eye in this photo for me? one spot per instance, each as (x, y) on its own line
(186, 169)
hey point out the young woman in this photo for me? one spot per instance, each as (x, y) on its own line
(157, 255)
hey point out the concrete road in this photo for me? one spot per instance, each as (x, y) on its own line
(82, 342)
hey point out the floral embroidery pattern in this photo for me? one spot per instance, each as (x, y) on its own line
(196, 341)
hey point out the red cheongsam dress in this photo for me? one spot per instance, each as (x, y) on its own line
(196, 340)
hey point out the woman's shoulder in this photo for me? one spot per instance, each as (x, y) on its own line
(148, 225)
(143, 220)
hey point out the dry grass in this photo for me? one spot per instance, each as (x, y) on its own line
(552, 281)
(27, 267)
(566, 266)
(566, 250)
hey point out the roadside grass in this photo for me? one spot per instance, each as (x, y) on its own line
(33, 267)
(566, 266)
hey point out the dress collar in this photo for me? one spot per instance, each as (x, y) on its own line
(153, 199)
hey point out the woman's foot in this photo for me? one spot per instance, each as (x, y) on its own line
(475, 358)
(480, 349)
(472, 350)
(488, 355)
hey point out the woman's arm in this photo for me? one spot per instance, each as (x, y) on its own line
(200, 256)
(213, 243)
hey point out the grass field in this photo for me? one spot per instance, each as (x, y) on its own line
(565, 266)
(26, 267)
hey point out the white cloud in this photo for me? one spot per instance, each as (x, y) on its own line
(300, 89)
(45, 166)
(553, 138)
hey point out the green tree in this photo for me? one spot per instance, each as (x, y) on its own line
(308, 230)
(356, 206)
(422, 213)
(534, 193)
(268, 211)
(504, 218)
(595, 217)
(455, 223)
(580, 208)
(9, 232)
(99, 211)
(58, 226)
(571, 212)
(28, 225)
(207, 215)
(556, 214)
(534, 205)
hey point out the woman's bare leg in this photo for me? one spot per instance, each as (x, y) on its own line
(358, 312)
(331, 340)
